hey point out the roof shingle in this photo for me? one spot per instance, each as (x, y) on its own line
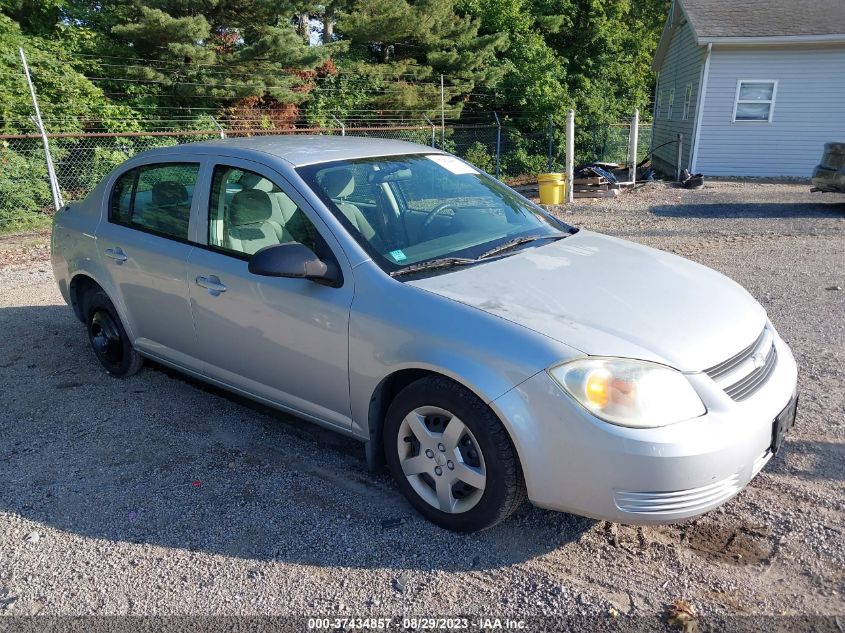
(765, 18)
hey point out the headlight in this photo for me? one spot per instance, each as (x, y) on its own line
(629, 392)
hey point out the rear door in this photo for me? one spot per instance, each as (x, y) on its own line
(144, 245)
(282, 340)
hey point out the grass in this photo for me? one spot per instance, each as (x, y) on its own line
(24, 223)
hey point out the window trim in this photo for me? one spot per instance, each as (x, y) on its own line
(771, 101)
(671, 103)
(142, 229)
(687, 102)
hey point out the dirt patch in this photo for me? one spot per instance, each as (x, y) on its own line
(737, 545)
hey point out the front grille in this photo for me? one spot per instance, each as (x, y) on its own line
(744, 373)
(689, 500)
(753, 381)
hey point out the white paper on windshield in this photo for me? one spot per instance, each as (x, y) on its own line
(452, 164)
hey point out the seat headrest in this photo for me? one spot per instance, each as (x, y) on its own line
(250, 207)
(169, 192)
(338, 183)
(251, 180)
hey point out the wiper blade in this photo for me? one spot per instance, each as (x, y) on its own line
(443, 262)
(525, 239)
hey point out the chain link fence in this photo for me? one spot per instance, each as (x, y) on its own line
(511, 149)
(609, 143)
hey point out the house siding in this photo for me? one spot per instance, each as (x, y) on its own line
(809, 111)
(681, 67)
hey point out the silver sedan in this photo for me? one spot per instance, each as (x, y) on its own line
(483, 349)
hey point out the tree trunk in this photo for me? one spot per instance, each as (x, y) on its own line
(328, 29)
(304, 27)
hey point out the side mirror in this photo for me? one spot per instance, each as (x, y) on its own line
(293, 260)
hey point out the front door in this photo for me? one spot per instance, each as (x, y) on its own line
(283, 340)
(143, 244)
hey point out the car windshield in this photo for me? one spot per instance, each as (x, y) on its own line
(408, 210)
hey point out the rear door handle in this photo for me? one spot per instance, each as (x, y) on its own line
(116, 254)
(212, 283)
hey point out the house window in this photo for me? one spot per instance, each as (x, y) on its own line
(755, 100)
(687, 101)
(671, 104)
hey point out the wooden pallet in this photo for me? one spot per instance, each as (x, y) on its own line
(594, 187)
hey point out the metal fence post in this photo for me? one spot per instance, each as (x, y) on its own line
(442, 114)
(549, 131)
(433, 128)
(633, 141)
(51, 172)
(218, 126)
(570, 155)
(680, 153)
(340, 124)
(498, 142)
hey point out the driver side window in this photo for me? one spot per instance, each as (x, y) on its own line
(248, 212)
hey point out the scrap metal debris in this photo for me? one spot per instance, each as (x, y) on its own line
(691, 181)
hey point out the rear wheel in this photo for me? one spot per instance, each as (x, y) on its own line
(108, 339)
(451, 456)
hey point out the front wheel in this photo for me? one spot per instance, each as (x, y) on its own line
(451, 456)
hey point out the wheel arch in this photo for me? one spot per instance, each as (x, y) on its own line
(79, 286)
(386, 391)
(83, 281)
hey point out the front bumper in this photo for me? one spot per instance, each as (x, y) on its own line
(574, 462)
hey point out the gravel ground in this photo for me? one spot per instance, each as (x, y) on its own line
(158, 495)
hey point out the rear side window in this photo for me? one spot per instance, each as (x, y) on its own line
(156, 198)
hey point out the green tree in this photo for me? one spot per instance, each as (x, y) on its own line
(403, 47)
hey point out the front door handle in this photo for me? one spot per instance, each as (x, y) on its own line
(212, 283)
(116, 254)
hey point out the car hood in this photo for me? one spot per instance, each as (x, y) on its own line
(608, 297)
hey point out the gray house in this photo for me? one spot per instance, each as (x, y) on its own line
(755, 87)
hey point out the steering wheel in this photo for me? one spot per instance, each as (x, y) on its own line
(433, 214)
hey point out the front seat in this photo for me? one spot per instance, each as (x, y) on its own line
(249, 227)
(339, 185)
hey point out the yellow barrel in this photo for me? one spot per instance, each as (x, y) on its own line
(552, 188)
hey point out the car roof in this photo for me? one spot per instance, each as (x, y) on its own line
(302, 150)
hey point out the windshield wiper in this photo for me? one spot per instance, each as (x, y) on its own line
(443, 262)
(525, 239)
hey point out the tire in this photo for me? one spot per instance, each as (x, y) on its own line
(108, 339)
(451, 456)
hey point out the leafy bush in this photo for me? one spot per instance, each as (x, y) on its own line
(477, 155)
(24, 191)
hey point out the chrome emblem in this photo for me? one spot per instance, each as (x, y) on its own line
(758, 360)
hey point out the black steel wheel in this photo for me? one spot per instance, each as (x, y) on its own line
(108, 339)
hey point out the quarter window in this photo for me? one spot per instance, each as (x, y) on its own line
(755, 100)
(121, 198)
(248, 212)
(156, 198)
